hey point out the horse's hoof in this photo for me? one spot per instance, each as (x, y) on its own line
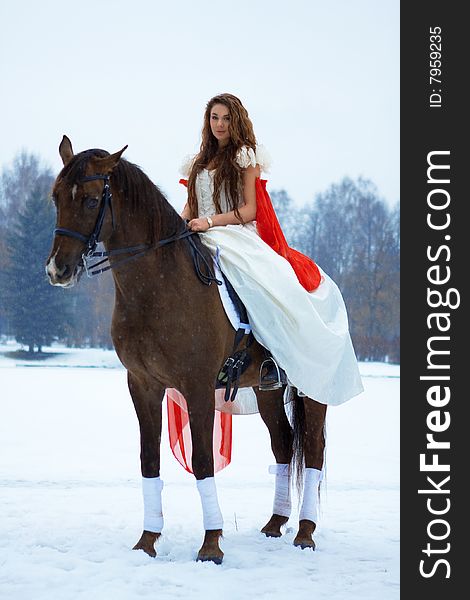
(273, 526)
(304, 544)
(146, 543)
(215, 559)
(274, 534)
(210, 550)
(303, 539)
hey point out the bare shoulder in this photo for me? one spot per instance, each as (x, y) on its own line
(251, 172)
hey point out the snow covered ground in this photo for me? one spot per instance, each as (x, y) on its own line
(71, 508)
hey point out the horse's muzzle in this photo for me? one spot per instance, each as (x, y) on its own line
(63, 275)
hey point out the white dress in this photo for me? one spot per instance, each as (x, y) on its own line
(306, 332)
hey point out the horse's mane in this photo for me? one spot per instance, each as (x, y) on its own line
(140, 195)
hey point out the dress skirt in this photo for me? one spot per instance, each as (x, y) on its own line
(306, 332)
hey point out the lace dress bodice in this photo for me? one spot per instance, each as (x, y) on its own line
(205, 179)
(204, 194)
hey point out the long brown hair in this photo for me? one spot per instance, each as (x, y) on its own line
(227, 172)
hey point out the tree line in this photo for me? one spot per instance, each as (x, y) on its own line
(348, 230)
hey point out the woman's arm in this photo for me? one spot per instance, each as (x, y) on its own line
(185, 213)
(247, 211)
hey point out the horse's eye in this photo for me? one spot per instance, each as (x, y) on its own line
(91, 202)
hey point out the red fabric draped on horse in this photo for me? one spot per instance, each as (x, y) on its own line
(169, 329)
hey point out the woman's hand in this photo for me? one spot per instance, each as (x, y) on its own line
(201, 224)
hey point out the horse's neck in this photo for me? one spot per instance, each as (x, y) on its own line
(151, 277)
(143, 280)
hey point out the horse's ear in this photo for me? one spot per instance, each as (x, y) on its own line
(107, 163)
(65, 150)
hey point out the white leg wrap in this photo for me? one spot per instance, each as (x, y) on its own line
(153, 514)
(282, 504)
(212, 517)
(309, 509)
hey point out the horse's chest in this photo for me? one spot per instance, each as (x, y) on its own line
(134, 335)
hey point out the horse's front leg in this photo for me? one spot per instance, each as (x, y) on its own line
(147, 395)
(314, 449)
(201, 406)
(271, 408)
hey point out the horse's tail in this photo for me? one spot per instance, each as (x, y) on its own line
(299, 424)
(298, 453)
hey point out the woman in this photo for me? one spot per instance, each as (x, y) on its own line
(305, 331)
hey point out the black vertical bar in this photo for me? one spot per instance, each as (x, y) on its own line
(433, 119)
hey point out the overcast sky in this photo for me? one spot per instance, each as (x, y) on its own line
(320, 81)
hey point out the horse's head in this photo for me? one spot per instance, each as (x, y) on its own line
(82, 198)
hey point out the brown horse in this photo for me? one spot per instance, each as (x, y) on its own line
(169, 329)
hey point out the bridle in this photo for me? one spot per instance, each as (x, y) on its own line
(136, 251)
(92, 240)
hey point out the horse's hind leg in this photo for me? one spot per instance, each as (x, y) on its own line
(147, 395)
(314, 448)
(201, 418)
(271, 408)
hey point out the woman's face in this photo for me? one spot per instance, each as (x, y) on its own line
(219, 119)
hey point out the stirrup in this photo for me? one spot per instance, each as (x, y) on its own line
(273, 378)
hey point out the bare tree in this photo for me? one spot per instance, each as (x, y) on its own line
(352, 234)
